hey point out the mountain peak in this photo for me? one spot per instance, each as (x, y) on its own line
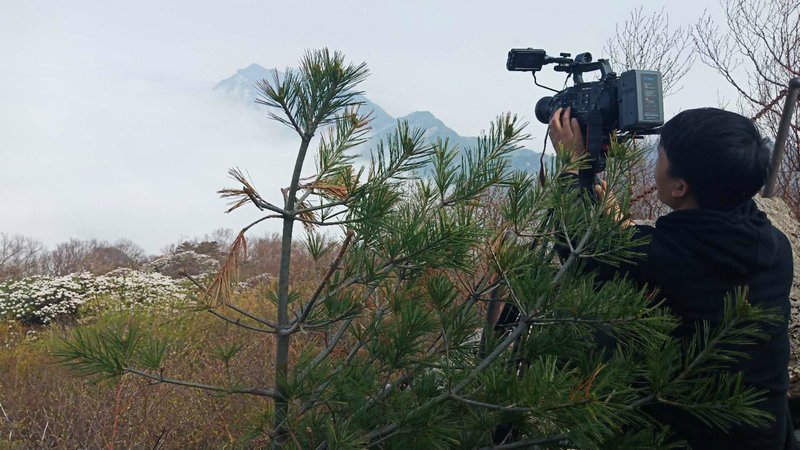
(252, 66)
(426, 116)
(427, 120)
(254, 71)
(241, 88)
(242, 85)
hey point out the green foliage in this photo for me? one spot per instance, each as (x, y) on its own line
(311, 96)
(317, 245)
(391, 351)
(110, 350)
(698, 372)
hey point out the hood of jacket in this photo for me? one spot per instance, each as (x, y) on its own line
(734, 242)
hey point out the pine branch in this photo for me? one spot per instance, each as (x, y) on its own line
(379, 313)
(310, 304)
(247, 192)
(484, 166)
(228, 390)
(239, 323)
(328, 223)
(406, 152)
(512, 336)
(314, 397)
(318, 207)
(431, 350)
(283, 98)
(508, 283)
(560, 320)
(526, 443)
(499, 349)
(523, 325)
(386, 430)
(513, 409)
(252, 316)
(737, 311)
(704, 388)
(350, 131)
(351, 354)
(220, 287)
(233, 307)
(336, 338)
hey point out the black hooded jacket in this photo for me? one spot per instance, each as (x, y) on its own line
(696, 257)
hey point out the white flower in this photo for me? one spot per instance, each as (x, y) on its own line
(40, 299)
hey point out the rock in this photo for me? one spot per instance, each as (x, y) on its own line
(780, 216)
(252, 282)
(178, 265)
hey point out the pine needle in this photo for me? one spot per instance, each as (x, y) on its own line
(240, 196)
(220, 290)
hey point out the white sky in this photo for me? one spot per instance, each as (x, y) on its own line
(108, 128)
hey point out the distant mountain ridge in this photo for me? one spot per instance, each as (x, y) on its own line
(241, 87)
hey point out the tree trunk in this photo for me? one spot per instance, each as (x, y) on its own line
(282, 345)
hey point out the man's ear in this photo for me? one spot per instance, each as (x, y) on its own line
(680, 188)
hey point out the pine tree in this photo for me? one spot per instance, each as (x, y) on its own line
(400, 353)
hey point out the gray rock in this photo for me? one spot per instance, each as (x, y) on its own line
(780, 216)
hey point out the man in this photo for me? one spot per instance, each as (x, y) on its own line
(710, 164)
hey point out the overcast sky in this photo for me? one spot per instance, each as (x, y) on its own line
(109, 129)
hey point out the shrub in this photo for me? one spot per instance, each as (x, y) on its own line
(178, 265)
(47, 409)
(126, 288)
(41, 299)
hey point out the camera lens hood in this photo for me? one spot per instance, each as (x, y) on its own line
(542, 109)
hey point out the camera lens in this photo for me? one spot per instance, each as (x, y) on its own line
(542, 109)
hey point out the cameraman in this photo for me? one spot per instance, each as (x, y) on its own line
(710, 164)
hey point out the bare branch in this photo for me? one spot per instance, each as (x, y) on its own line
(648, 42)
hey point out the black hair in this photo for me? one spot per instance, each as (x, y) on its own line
(721, 156)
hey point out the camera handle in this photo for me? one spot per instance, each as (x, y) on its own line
(594, 146)
(578, 68)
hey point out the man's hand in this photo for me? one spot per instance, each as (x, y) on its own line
(612, 205)
(566, 132)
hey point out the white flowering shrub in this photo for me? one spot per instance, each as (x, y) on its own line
(178, 265)
(125, 288)
(41, 300)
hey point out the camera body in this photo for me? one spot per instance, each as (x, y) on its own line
(631, 102)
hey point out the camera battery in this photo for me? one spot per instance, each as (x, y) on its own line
(641, 103)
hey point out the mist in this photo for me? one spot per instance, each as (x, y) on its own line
(109, 127)
(111, 157)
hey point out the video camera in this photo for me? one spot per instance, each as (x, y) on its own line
(631, 103)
